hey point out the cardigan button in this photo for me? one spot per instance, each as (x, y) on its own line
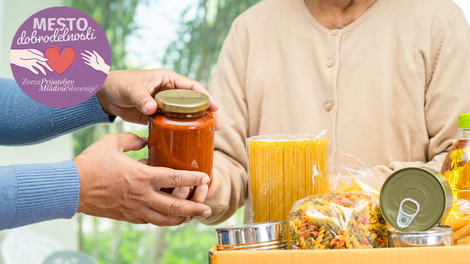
(334, 32)
(328, 106)
(330, 63)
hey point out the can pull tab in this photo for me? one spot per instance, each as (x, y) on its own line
(404, 216)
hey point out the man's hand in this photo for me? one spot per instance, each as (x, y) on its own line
(207, 191)
(129, 94)
(115, 186)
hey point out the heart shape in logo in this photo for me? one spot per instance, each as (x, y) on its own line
(60, 61)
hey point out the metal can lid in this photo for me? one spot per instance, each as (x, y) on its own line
(415, 199)
(182, 101)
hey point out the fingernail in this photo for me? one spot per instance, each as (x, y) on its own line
(203, 188)
(147, 106)
(216, 173)
(206, 213)
(206, 179)
(187, 219)
(183, 191)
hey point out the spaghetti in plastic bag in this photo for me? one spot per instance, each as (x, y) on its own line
(349, 220)
(284, 169)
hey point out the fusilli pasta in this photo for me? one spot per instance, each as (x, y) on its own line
(337, 221)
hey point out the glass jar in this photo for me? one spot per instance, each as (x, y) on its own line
(181, 133)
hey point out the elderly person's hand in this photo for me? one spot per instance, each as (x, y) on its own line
(115, 186)
(129, 93)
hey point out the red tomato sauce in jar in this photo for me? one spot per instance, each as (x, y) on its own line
(182, 141)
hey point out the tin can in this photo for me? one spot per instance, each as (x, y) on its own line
(260, 236)
(438, 236)
(415, 199)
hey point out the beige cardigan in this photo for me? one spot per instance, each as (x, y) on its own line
(388, 87)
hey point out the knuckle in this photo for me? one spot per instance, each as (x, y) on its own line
(197, 180)
(124, 93)
(128, 214)
(141, 175)
(198, 84)
(165, 71)
(176, 178)
(165, 79)
(112, 139)
(131, 136)
(140, 97)
(175, 208)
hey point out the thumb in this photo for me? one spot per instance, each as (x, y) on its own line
(127, 141)
(142, 100)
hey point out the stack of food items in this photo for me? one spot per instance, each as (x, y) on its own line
(289, 182)
(412, 203)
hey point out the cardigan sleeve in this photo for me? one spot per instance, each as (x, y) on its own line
(228, 86)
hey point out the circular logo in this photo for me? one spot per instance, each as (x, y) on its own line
(60, 57)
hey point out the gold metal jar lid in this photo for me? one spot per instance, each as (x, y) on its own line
(182, 101)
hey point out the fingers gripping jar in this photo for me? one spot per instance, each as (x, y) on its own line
(181, 133)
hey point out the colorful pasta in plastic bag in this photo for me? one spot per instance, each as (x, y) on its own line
(337, 221)
(284, 169)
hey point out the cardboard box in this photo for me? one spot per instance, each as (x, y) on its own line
(430, 255)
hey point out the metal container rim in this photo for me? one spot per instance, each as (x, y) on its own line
(442, 229)
(255, 249)
(273, 242)
(251, 246)
(250, 226)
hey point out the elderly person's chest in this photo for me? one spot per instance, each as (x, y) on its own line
(325, 77)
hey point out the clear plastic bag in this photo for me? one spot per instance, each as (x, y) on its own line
(459, 220)
(337, 221)
(460, 209)
(284, 169)
(348, 173)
